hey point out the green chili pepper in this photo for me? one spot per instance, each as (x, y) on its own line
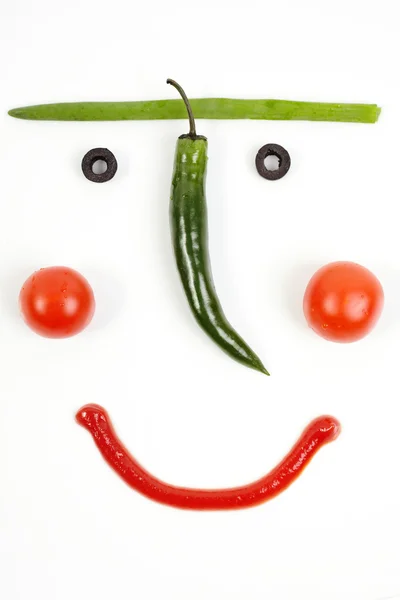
(203, 108)
(188, 214)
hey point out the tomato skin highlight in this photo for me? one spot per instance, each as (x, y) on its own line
(57, 302)
(343, 301)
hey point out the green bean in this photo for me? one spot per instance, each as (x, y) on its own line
(203, 108)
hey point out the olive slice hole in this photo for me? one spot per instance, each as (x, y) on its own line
(272, 162)
(99, 167)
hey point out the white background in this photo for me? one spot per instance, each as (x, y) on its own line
(69, 527)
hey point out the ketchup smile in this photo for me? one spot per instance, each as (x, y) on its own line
(318, 433)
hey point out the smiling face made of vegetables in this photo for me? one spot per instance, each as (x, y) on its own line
(342, 302)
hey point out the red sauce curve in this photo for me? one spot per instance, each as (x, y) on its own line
(318, 433)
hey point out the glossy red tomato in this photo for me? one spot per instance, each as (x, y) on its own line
(343, 301)
(57, 302)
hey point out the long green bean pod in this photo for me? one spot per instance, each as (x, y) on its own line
(188, 217)
(203, 108)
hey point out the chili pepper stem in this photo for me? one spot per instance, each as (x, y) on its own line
(192, 131)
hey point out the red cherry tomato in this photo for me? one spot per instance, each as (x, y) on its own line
(343, 301)
(57, 302)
